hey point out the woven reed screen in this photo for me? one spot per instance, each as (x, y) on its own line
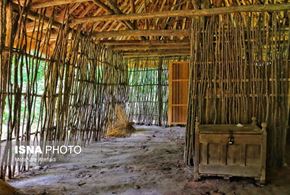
(239, 69)
(52, 95)
(148, 89)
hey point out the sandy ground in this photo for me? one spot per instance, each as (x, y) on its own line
(148, 162)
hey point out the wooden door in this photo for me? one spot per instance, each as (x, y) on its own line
(178, 76)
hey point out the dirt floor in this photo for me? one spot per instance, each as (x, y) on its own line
(148, 162)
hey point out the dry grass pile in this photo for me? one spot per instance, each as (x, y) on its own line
(7, 189)
(121, 127)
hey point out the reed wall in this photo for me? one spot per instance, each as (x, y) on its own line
(240, 69)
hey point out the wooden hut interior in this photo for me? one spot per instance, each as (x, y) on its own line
(144, 97)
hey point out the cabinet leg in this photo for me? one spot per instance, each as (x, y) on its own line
(196, 177)
(227, 178)
(263, 178)
(262, 181)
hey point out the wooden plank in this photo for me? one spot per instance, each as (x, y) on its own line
(186, 13)
(223, 154)
(252, 154)
(233, 154)
(213, 153)
(204, 154)
(232, 170)
(243, 154)
(227, 128)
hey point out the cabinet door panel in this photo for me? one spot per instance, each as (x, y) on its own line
(234, 154)
(253, 154)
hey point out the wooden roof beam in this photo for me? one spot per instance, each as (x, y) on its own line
(35, 16)
(149, 48)
(158, 53)
(133, 10)
(104, 6)
(187, 13)
(95, 25)
(137, 33)
(30, 27)
(156, 50)
(114, 10)
(142, 43)
(51, 3)
(155, 55)
(131, 33)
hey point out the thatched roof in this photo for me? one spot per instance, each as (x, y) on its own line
(145, 25)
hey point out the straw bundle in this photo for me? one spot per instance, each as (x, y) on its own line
(121, 127)
(7, 189)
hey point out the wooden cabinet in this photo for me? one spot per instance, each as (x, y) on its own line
(230, 150)
(178, 75)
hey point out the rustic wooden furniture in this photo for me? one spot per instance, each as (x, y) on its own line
(230, 150)
(178, 75)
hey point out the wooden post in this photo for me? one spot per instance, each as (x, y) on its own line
(196, 156)
(169, 117)
(264, 154)
(160, 96)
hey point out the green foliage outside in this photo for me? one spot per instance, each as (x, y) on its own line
(24, 75)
